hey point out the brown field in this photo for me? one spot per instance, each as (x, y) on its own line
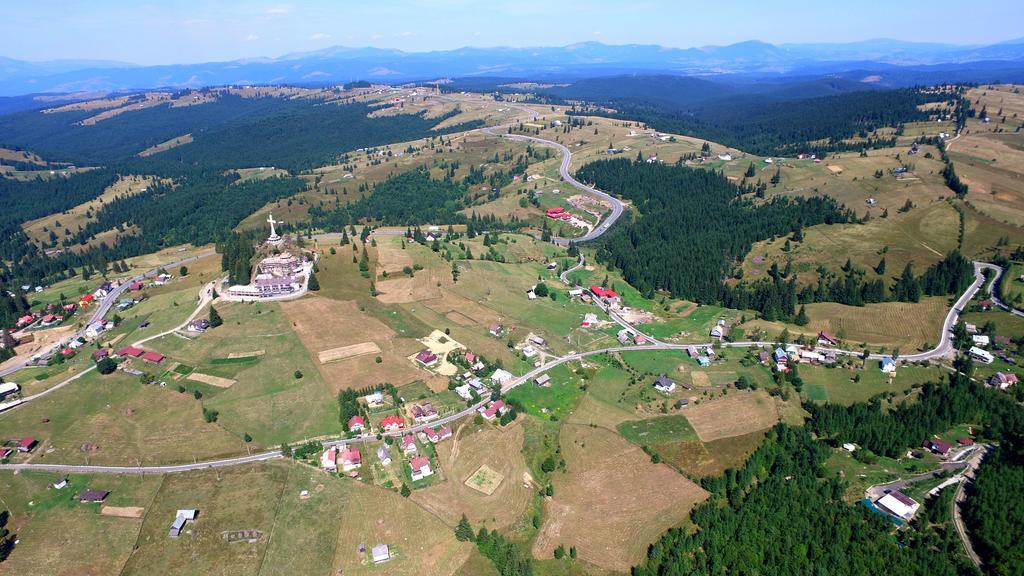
(335, 354)
(21, 156)
(87, 105)
(485, 480)
(123, 511)
(423, 286)
(151, 99)
(421, 544)
(499, 450)
(217, 381)
(166, 145)
(892, 324)
(247, 354)
(594, 412)
(701, 459)
(42, 340)
(391, 258)
(736, 414)
(324, 324)
(612, 502)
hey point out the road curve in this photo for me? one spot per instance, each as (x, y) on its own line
(563, 170)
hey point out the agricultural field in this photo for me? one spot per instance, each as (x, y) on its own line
(325, 326)
(58, 535)
(611, 501)
(838, 385)
(279, 394)
(698, 459)
(553, 401)
(1011, 289)
(658, 430)
(496, 451)
(116, 420)
(907, 326)
(735, 414)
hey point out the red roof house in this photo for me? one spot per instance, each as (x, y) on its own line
(100, 354)
(496, 408)
(432, 435)
(420, 467)
(409, 444)
(356, 423)
(26, 444)
(940, 447)
(826, 339)
(154, 357)
(426, 357)
(351, 459)
(392, 423)
(986, 304)
(86, 299)
(129, 351)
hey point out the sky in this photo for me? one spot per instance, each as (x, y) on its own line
(186, 31)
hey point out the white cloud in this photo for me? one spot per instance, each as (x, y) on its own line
(406, 34)
(252, 37)
(320, 36)
(279, 10)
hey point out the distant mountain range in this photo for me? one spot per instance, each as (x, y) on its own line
(889, 59)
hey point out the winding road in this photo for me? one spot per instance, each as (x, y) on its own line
(943, 349)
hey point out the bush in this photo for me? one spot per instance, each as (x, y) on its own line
(210, 415)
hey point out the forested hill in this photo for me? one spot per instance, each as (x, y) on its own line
(230, 132)
(693, 225)
(205, 201)
(772, 125)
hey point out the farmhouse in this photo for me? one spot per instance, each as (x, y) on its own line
(351, 459)
(25, 445)
(409, 445)
(888, 365)
(464, 392)
(431, 435)
(153, 357)
(719, 330)
(495, 409)
(90, 496)
(980, 340)
(764, 357)
(986, 304)
(501, 376)
(980, 355)
(1003, 380)
(420, 468)
(938, 446)
(664, 385)
(392, 423)
(426, 357)
(180, 519)
(542, 380)
(374, 399)
(495, 329)
(60, 484)
(329, 459)
(356, 424)
(423, 412)
(384, 455)
(129, 352)
(100, 354)
(898, 504)
(826, 339)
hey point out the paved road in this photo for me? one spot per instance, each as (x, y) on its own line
(993, 289)
(563, 170)
(961, 496)
(108, 302)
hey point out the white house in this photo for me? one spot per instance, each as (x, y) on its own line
(464, 392)
(420, 468)
(888, 365)
(380, 553)
(329, 460)
(980, 355)
(898, 504)
(980, 340)
(664, 385)
(501, 376)
(8, 388)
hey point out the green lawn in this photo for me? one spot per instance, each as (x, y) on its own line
(1012, 289)
(859, 476)
(267, 400)
(837, 385)
(553, 401)
(660, 430)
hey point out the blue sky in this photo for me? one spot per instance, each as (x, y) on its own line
(180, 31)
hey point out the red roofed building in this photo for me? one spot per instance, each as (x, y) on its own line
(940, 447)
(420, 468)
(129, 351)
(605, 295)
(409, 445)
(426, 357)
(986, 304)
(392, 423)
(826, 339)
(153, 357)
(100, 354)
(356, 424)
(26, 444)
(470, 357)
(329, 460)
(351, 459)
(555, 212)
(446, 432)
(85, 300)
(495, 409)
(432, 435)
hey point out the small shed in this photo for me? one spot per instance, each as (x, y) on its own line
(380, 553)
